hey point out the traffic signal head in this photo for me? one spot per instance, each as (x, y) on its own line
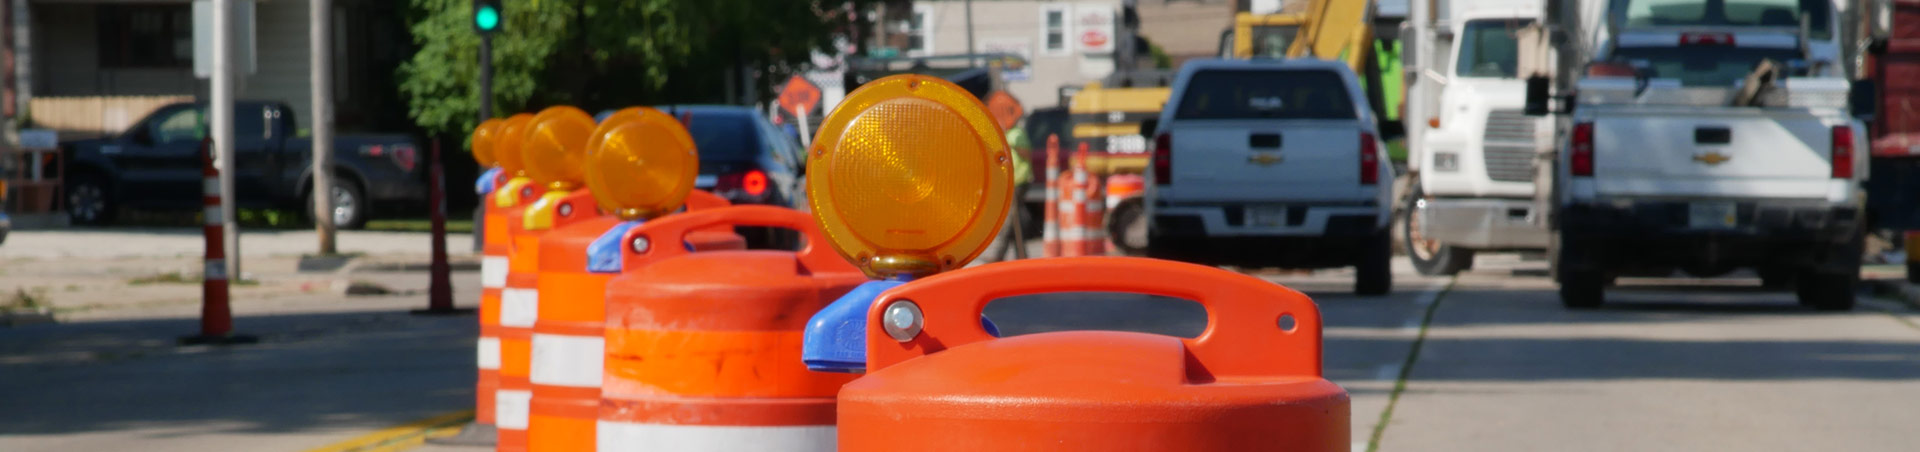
(488, 16)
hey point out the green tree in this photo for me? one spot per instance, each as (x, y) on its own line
(608, 53)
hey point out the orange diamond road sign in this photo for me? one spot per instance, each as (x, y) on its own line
(799, 96)
(1006, 110)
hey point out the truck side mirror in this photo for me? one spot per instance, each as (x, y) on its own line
(1537, 97)
(1148, 127)
(1864, 100)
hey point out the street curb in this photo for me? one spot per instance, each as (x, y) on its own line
(1896, 290)
(403, 436)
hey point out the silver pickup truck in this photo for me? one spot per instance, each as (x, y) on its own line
(1706, 148)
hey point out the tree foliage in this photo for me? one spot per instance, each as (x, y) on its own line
(600, 54)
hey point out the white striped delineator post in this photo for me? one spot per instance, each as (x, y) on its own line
(1050, 230)
(216, 314)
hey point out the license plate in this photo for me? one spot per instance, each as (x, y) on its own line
(1712, 215)
(1267, 216)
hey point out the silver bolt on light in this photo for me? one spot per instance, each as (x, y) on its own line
(566, 208)
(902, 320)
(641, 245)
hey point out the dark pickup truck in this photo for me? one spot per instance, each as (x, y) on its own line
(156, 164)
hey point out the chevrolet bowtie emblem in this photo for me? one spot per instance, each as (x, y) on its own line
(1711, 158)
(1264, 159)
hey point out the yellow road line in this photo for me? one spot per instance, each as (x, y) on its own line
(402, 436)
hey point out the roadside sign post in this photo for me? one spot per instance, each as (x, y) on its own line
(800, 96)
(439, 283)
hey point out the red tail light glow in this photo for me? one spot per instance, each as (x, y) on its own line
(1580, 159)
(1706, 39)
(1843, 152)
(1163, 159)
(751, 182)
(1369, 160)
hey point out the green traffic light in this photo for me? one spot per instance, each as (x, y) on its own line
(486, 18)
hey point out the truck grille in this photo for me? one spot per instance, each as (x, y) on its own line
(1507, 146)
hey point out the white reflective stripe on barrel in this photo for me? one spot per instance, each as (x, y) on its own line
(490, 353)
(210, 186)
(493, 272)
(621, 436)
(568, 360)
(510, 408)
(519, 307)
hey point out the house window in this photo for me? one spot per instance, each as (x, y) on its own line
(1053, 30)
(146, 36)
(920, 31)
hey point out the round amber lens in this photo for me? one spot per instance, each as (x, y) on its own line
(483, 138)
(645, 166)
(506, 146)
(619, 117)
(554, 145)
(912, 176)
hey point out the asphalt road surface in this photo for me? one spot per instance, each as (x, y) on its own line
(1485, 361)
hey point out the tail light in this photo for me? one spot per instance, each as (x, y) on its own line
(1706, 39)
(1843, 152)
(1580, 160)
(752, 182)
(1163, 159)
(1611, 69)
(1369, 160)
(405, 156)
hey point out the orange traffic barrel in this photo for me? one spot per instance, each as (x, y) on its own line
(703, 349)
(519, 310)
(938, 381)
(493, 278)
(567, 341)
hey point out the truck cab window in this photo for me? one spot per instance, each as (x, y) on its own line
(181, 126)
(1700, 66)
(1488, 48)
(1272, 41)
(1297, 94)
(1762, 13)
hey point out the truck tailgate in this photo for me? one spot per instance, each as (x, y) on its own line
(1712, 152)
(1267, 160)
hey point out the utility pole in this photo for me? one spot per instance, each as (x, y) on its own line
(970, 49)
(320, 37)
(221, 115)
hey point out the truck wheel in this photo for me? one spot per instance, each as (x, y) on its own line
(1826, 291)
(349, 204)
(1127, 226)
(1582, 289)
(1430, 257)
(89, 201)
(1373, 275)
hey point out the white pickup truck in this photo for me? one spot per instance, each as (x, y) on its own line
(1679, 149)
(1268, 163)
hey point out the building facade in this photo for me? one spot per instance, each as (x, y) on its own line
(87, 67)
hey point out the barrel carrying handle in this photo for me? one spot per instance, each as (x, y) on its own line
(664, 235)
(1245, 315)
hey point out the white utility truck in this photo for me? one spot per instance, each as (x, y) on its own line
(1470, 148)
(1698, 135)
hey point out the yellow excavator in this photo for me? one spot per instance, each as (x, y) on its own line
(1338, 30)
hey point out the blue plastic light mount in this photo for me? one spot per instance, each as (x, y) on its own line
(836, 337)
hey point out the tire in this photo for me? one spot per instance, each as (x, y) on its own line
(1430, 258)
(90, 201)
(1373, 275)
(1582, 289)
(1827, 291)
(1127, 225)
(349, 204)
(1579, 288)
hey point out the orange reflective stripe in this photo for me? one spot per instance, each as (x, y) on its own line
(525, 257)
(489, 307)
(711, 411)
(565, 401)
(585, 329)
(572, 297)
(516, 353)
(712, 363)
